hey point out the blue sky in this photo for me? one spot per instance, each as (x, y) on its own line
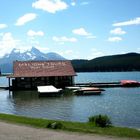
(82, 29)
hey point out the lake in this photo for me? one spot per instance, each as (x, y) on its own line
(121, 104)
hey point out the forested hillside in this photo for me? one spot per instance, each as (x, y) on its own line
(123, 62)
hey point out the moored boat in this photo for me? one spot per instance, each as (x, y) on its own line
(50, 91)
(88, 91)
(130, 83)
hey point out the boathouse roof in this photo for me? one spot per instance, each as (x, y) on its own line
(42, 69)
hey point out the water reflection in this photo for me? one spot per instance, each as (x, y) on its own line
(28, 103)
(6, 102)
(24, 95)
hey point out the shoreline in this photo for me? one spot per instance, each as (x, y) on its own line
(16, 132)
(83, 128)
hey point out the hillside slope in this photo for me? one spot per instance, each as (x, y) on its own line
(122, 62)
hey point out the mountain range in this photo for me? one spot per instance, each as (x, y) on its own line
(122, 62)
(6, 62)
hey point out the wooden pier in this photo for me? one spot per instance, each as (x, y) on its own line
(90, 84)
(102, 85)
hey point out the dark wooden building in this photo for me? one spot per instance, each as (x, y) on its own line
(30, 74)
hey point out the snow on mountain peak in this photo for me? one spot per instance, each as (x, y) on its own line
(6, 62)
(30, 54)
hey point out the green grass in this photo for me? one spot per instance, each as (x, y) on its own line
(72, 126)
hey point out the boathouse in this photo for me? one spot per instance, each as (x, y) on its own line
(30, 74)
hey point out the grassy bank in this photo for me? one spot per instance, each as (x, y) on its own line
(72, 126)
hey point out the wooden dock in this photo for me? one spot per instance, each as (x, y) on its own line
(102, 85)
(90, 84)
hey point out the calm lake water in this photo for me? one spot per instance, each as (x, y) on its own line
(121, 104)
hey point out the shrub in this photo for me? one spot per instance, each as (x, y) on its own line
(100, 120)
(48, 125)
(91, 119)
(55, 125)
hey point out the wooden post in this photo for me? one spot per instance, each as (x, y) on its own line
(31, 83)
(72, 80)
(9, 82)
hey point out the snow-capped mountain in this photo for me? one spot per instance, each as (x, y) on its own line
(6, 61)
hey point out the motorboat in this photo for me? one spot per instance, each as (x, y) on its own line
(49, 90)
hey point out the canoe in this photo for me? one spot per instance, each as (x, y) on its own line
(130, 83)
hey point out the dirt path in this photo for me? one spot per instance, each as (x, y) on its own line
(19, 132)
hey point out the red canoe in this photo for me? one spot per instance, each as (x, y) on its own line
(130, 83)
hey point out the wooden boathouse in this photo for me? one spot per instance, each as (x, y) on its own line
(30, 74)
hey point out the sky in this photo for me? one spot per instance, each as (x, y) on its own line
(75, 29)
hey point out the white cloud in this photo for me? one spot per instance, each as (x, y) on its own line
(81, 31)
(2, 26)
(114, 39)
(7, 43)
(64, 39)
(51, 6)
(73, 3)
(32, 33)
(135, 21)
(26, 18)
(117, 31)
(1, 34)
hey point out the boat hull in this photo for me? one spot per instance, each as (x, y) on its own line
(87, 93)
(130, 83)
(50, 94)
